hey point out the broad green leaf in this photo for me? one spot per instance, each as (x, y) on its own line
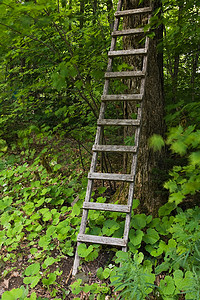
(109, 227)
(32, 280)
(135, 236)
(83, 251)
(14, 294)
(76, 210)
(138, 257)
(48, 262)
(167, 286)
(136, 203)
(100, 273)
(106, 273)
(139, 221)
(32, 269)
(50, 280)
(102, 189)
(151, 236)
(178, 279)
(121, 256)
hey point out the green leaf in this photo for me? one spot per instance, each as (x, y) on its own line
(14, 294)
(100, 273)
(162, 267)
(179, 147)
(166, 209)
(138, 257)
(136, 203)
(176, 197)
(151, 237)
(106, 273)
(5, 202)
(48, 262)
(195, 158)
(109, 227)
(32, 280)
(83, 251)
(102, 189)
(32, 269)
(44, 242)
(75, 210)
(76, 287)
(3, 146)
(121, 256)
(139, 221)
(167, 286)
(178, 279)
(156, 142)
(33, 296)
(135, 236)
(50, 280)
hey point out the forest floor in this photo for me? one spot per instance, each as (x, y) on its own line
(11, 274)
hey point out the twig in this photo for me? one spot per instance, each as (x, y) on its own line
(68, 277)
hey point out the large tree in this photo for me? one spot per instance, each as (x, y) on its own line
(150, 162)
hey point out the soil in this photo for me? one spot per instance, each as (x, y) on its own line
(12, 275)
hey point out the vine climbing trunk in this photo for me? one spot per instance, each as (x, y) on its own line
(150, 163)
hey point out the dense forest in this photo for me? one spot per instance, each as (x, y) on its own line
(52, 64)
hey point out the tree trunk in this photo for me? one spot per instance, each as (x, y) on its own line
(110, 13)
(150, 163)
(82, 11)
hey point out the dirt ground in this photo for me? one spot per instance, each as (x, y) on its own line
(11, 275)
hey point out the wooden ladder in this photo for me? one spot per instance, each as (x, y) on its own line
(106, 97)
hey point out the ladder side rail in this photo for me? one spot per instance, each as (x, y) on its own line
(131, 187)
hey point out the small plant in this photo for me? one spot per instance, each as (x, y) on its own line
(94, 291)
(134, 279)
(21, 294)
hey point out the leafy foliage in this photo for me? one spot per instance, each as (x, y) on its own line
(53, 56)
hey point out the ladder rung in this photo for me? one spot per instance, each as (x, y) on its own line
(128, 31)
(101, 240)
(125, 74)
(121, 97)
(116, 122)
(127, 52)
(133, 11)
(110, 176)
(107, 207)
(114, 148)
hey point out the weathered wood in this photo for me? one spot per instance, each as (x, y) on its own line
(127, 32)
(76, 261)
(118, 122)
(131, 12)
(110, 176)
(128, 52)
(124, 74)
(82, 237)
(114, 148)
(121, 97)
(107, 207)
(100, 240)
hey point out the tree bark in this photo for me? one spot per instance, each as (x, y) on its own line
(82, 10)
(110, 13)
(150, 163)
